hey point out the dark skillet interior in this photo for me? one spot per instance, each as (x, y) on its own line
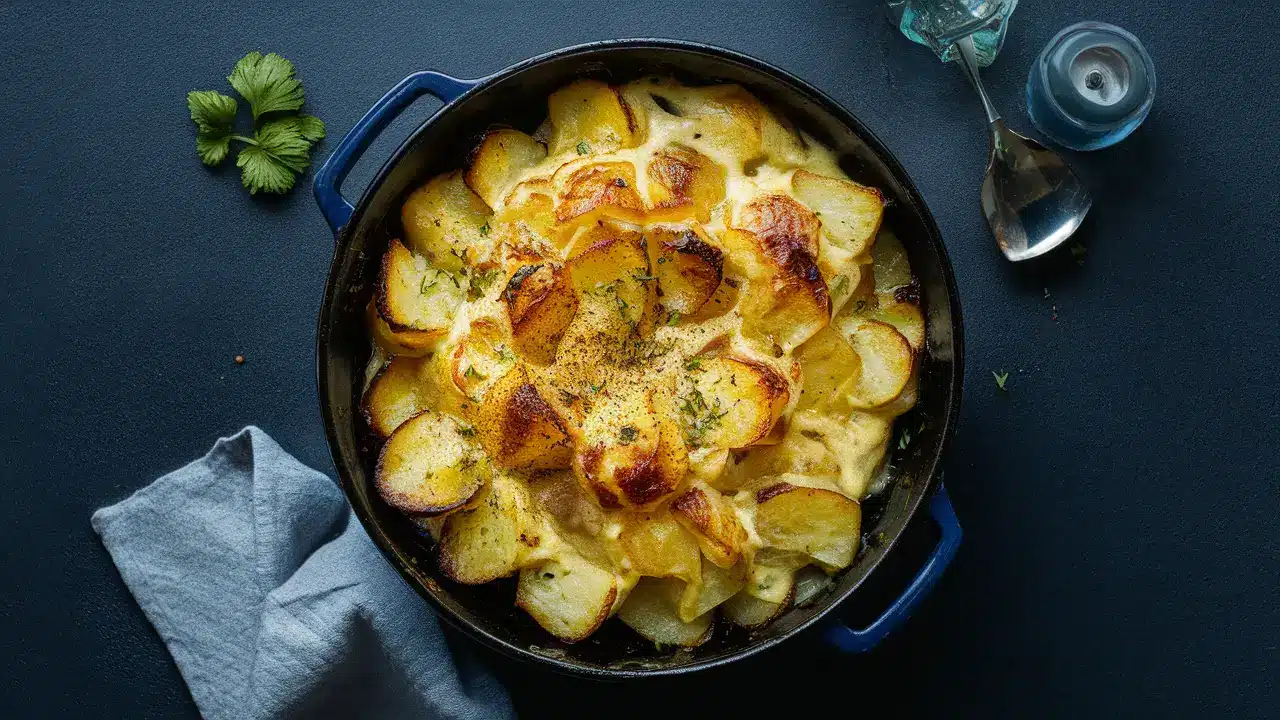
(517, 98)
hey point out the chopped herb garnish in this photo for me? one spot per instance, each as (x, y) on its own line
(905, 439)
(466, 431)
(484, 229)
(693, 363)
(700, 417)
(673, 318)
(583, 148)
(471, 372)
(505, 355)
(481, 281)
(627, 435)
(597, 388)
(642, 277)
(661, 260)
(1000, 377)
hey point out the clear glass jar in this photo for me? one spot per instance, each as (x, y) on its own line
(938, 24)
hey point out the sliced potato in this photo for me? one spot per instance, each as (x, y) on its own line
(688, 268)
(887, 364)
(781, 226)
(715, 585)
(905, 317)
(540, 304)
(721, 302)
(568, 596)
(412, 295)
(398, 392)
(519, 429)
(528, 216)
(850, 213)
(734, 403)
(748, 611)
(735, 125)
(401, 342)
(590, 193)
(430, 465)
(447, 223)
(498, 162)
(482, 357)
(822, 524)
(482, 544)
(657, 546)
(802, 451)
(810, 582)
(591, 117)
(630, 450)
(892, 269)
(828, 362)
(683, 184)
(772, 573)
(854, 445)
(614, 271)
(650, 609)
(711, 519)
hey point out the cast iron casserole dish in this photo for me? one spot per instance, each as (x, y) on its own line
(516, 97)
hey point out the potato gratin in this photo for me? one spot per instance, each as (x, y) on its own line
(648, 359)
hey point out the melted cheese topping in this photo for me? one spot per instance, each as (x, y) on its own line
(648, 399)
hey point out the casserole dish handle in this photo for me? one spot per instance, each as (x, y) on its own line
(328, 183)
(847, 639)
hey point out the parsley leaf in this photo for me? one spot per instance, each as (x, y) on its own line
(267, 82)
(1001, 377)
(280, 146)
(213, 114)
(583, 148)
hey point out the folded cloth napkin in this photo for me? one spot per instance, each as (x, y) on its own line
(274, 601)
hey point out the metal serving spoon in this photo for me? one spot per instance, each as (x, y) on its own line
(1032, 199)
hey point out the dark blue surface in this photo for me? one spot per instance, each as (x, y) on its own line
(1119, 502)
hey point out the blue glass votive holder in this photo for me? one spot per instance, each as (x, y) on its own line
(1091, 86)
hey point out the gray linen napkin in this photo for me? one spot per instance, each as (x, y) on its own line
(274, 601)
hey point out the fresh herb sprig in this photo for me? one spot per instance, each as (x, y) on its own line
(280, 148)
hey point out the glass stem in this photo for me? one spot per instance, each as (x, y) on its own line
(969, 63)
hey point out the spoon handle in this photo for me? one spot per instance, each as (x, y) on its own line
(969, 63)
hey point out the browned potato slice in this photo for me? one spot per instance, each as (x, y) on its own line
(715, 585)
(590, 117)
(850, 212)
(601, 191)
(630, 452)
(499, 160)
(614, 272)
(711, 519)
(795, 302)
(483, 356)
(519, 429)
(683, 184)
(431, 464)
(750, 612)
(887, 363)
(650, 610)
(822, 524)
(721, 302)
(828, 362)
(892, 268)
(401, 342)
(688, 269)
(657, 546)
(540, 303)
(905, 317)
(413, 295)
(482, 544)
(446, 222)
(568, 596)
(400, 390)
(782, 227)
(734, 401)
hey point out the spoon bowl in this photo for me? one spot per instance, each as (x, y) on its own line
(1031, 198)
